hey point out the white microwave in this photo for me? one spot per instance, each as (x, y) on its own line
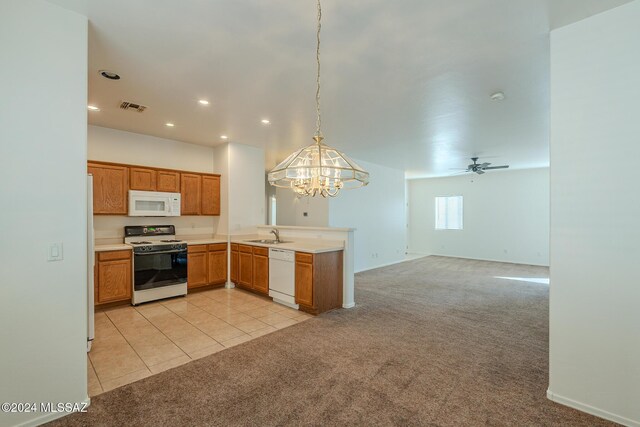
(153, 203)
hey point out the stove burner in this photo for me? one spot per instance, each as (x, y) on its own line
(140, 243)
(171, 241)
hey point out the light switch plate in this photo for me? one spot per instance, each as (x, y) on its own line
(55, 252)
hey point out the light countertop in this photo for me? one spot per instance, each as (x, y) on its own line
(313, 246)
(293, 243)
(200, 241)
(113, 247)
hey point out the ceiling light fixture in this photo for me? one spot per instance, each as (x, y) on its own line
(203, 102)
(318, 169)
(109, 75)
(169, 125)
(265, 121)
(92, 108)
(224, 137)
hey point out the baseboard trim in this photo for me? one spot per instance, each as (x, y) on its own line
(491, 260)
(45, 418)
(350, 305)
(591, 410)
(384, 265)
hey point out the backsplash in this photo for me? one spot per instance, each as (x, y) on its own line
(112, 226)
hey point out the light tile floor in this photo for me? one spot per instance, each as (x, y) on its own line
(132, 343)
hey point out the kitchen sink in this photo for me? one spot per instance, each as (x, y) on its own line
(267, 241)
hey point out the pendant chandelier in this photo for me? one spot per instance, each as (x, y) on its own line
(318, 169)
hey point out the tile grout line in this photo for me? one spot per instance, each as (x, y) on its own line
(197, 327)
(95, 373)
(164, 335)
(132, 347)
(129, 344)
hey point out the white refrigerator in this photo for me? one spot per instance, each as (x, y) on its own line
(90, 264)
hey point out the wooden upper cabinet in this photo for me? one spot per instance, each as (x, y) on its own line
(168, 181)
(191, 193)
(142, 179)
(200, 193)
(210, 195)
(110, 188)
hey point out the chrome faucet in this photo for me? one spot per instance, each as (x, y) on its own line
(277, 234)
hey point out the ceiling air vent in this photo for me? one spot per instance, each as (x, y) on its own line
(132, 106)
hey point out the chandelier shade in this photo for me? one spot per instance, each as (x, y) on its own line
(318, 170)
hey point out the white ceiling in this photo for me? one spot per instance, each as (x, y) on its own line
(406, 84)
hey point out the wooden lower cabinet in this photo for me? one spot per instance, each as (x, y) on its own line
(113, 277)
(245, 267)
(261, 270)
(250, 268)
(319, 281)
(206, 265)
(197, 274)
(234, 263)
(217, 255)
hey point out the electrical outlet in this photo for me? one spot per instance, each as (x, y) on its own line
(305, 214)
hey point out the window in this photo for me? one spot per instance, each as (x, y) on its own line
(449, 213)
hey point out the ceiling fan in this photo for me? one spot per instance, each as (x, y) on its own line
(479, 168)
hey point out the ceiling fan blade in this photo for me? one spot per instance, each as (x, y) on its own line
(497, 167)
(484, 165)
(479, 171)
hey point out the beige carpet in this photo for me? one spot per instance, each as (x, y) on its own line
(434, 341)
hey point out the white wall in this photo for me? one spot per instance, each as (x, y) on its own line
(291, 209)
(221, 166)
(595, 208)
(246, 188)
(506, 216)
(377, 212)
(43, 107)
(118, 146)
(112, 145)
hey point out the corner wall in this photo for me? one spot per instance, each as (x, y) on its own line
(377, 212)
(246, 191)
(505, 216)
(595, 208)
(43, 147)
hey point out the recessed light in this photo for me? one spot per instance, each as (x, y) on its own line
(109, 75)
(203, 102)
(92, 108)
(169, 125)
(498, 96)
(224, 137)
(265, 121)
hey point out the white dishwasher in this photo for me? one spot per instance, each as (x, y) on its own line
(282, 276)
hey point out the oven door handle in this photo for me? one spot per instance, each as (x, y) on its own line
(161, 252)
